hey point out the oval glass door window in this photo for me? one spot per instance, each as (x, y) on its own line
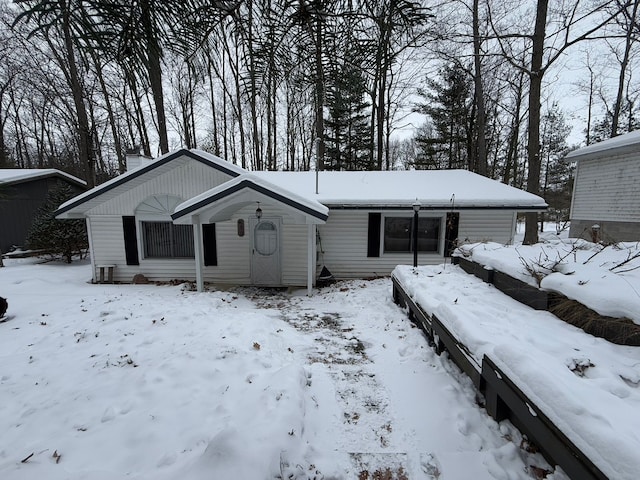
(266, 238)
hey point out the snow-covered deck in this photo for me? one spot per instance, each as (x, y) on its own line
(585, 386)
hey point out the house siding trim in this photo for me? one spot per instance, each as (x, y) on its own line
(518, 208)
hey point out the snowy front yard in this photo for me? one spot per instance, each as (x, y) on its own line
(156, 382)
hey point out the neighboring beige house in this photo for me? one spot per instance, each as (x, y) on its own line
(606, 191)
(190, 215)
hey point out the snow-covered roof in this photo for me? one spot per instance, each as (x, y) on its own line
(110, 189)
(18, 175)
(628, 141)
(434, 189)
(257, 185)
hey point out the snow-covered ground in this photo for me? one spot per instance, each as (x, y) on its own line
(588, 387)
(159, 382)
(604, 278)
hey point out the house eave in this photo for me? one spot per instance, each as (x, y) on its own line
(45, 174)
(433, 206)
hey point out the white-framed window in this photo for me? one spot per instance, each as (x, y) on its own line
(160, 238)
(397, 234)
(166, 240)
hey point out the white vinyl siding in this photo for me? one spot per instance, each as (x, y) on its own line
(234, 252)
(108, 242)
(606, 189)
(185, 181)
(344, 240)
(294, 254)
(233, 255)
(487, 226)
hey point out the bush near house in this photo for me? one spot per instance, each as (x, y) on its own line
(59, 238)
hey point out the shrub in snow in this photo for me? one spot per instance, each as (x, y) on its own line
(59, 238)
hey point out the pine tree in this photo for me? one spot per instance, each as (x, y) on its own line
(629, 122)
(449, 106)
(347, 128)
(555, 171)
(59, 238)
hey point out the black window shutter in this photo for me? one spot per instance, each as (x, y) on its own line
(209, 242)
(130, 240)
(451, 233)
(373, 244)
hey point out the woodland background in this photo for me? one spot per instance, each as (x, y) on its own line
(326, 84)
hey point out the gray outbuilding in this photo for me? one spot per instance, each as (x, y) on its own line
(606, 192)
(22, 192)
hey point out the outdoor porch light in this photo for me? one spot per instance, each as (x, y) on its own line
(258, 212)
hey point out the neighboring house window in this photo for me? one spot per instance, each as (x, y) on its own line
(160, 237)
(166, 240)
(398, 234)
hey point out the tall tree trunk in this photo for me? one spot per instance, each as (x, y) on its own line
(4, 157)
(110, 115)
(590, 106)
(154, 70)
(214, 110)
(238, 102)
(85, 152)
(629, 39)
(253, 93)
(319, 95)
(481, 163)
(535, 88)
(139, 120)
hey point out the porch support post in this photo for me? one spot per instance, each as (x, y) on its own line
(198, 249)
(91, 252)
(311, 256)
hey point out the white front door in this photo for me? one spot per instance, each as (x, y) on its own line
(265, 251)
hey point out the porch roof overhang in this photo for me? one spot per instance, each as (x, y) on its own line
(220, 203)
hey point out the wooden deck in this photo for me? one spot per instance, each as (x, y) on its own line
(503, 399)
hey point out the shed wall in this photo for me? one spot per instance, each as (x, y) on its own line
(610, 232)
(606, 189)
(20, 205)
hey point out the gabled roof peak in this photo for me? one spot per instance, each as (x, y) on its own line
(16, 175)
(147, 168)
